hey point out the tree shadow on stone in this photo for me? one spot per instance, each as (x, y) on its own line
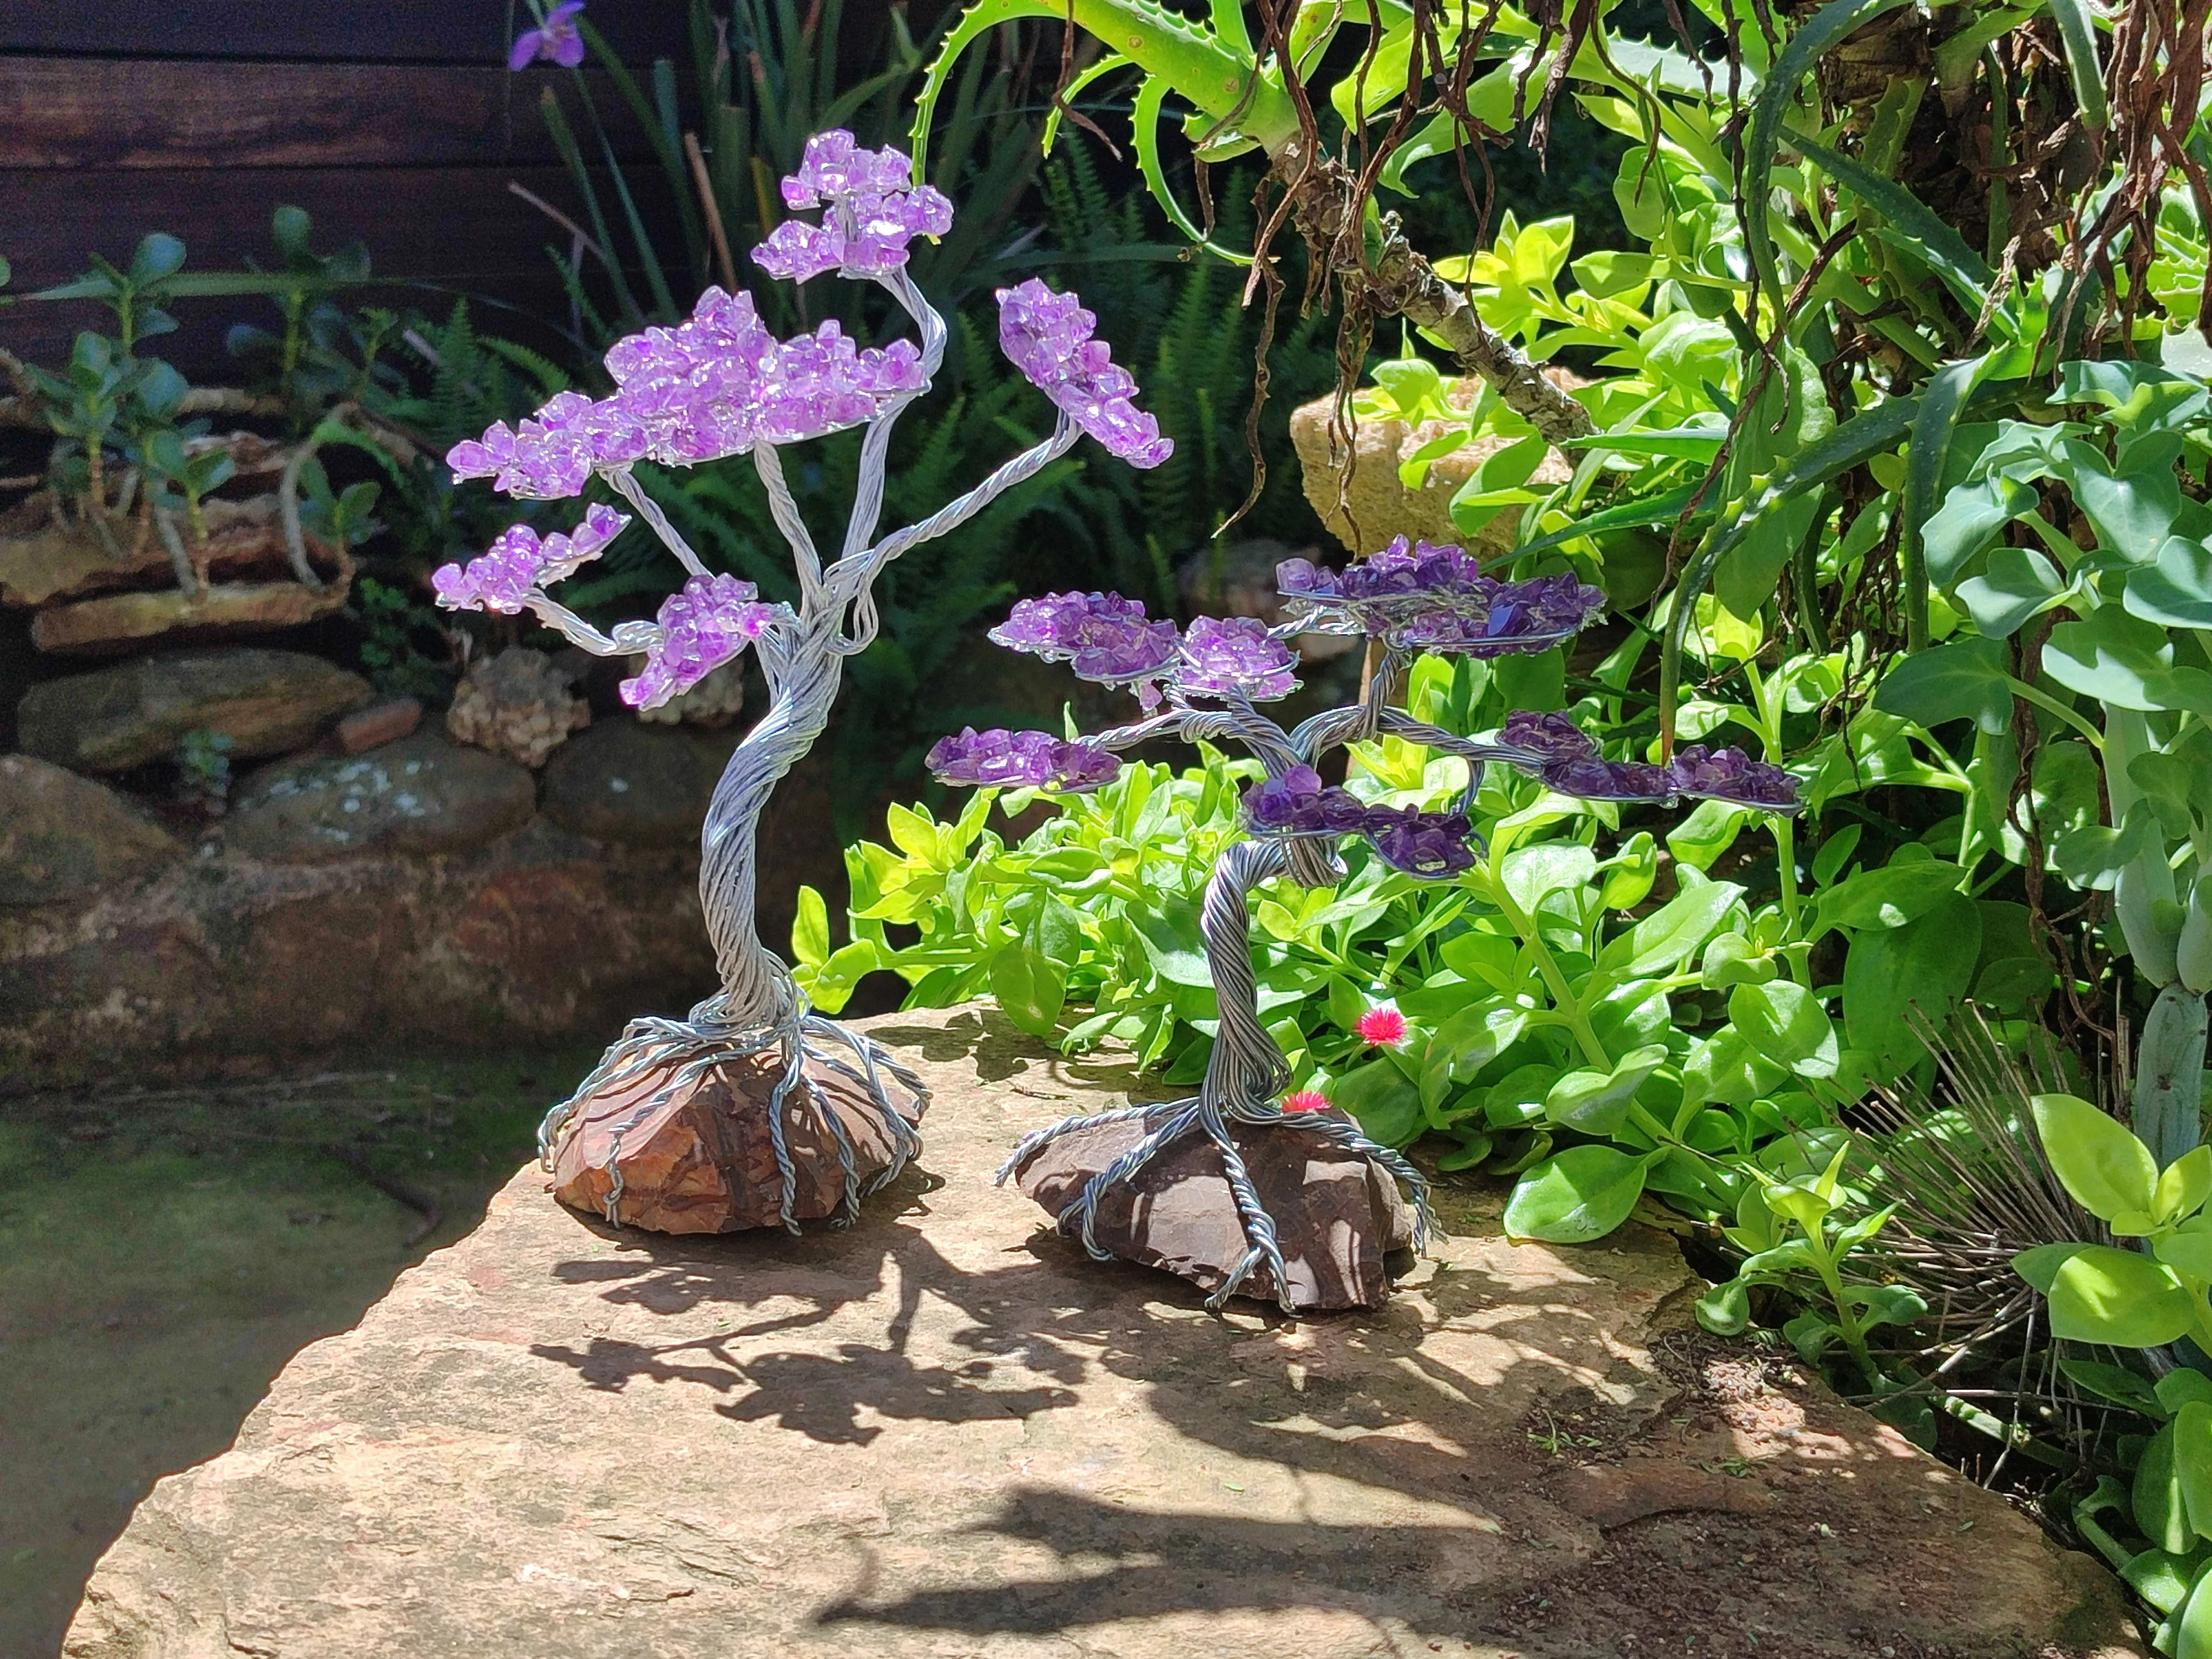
(822, 1395)
(1125, 1563)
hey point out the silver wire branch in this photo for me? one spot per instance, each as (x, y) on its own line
(649, 509)
(785, 511)
(628, 639)
(875, 447)
(858, 569)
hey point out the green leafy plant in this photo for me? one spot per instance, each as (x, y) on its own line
(2144, 1299)
(2076, 550)
(1788, 1229)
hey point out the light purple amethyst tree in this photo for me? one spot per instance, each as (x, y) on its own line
(1203, 682)
(721, 386)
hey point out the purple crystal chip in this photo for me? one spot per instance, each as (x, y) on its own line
(1588, 778)
(1729, 774)
(518, 560)
(1430, 845)
(1296, 803)
(1014, 760)
(1516, 618)
(1236, 656)
(875, 208)
(714, 386)
(1048, 336)
(704, 624)
(551, 455)
(1546, 738)
(1425, 598)
(1107, 638)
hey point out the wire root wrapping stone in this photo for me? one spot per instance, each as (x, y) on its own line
(701, 1161)
(1338, 1216)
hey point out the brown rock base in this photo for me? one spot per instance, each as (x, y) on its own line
(1337, 1215)
(701, 1160)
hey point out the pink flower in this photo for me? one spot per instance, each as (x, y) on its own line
(1305, 1100)
(556, 38)
(1382, 1028)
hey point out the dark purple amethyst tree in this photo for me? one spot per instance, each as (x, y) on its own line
(1206, 682)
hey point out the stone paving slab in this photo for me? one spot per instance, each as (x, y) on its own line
(946, 1434)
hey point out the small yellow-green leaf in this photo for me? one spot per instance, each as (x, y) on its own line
(2106, 1168)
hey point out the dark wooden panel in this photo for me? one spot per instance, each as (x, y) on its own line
(421, 31)
(459, 227)
(143, 112)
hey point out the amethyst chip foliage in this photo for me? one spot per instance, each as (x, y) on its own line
(1105, 637)
(1403, 578)
(873, 210)
(1021, 760)
(1519, 618)
(1566, 758)
(1430, 845)
(1296, 803)
(1729, 774)
(703, 625)
(714, 385)
(1236, 656)
(1420, 597)
(497, 579)
(1048, 336)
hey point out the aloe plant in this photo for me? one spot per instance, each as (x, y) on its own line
(1245, 100)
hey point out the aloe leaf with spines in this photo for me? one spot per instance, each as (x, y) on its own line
(1243, 103)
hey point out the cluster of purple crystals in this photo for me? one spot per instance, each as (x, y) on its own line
(1420, 597)
(1103, 636)
(1021, 760)
(1236, 656)
(1296, 803)
(874, 210)
(519, 560)
(1730, 774)
(1110, 640)
(719, 383)
(1566, 758)
(704, 624)
(1048, 336)
(712, 386)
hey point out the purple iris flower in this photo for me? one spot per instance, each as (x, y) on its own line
(557, 38)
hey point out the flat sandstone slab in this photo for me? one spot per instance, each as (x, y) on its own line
(946, 1434)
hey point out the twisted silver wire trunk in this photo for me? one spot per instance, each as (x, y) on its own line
(757, 993)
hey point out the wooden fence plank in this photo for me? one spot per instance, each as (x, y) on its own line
(459, 228)
(418, 31)
(126, 112)
(417, 221)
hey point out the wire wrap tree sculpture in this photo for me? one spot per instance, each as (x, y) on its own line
(721, 385)
(1204, 683)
